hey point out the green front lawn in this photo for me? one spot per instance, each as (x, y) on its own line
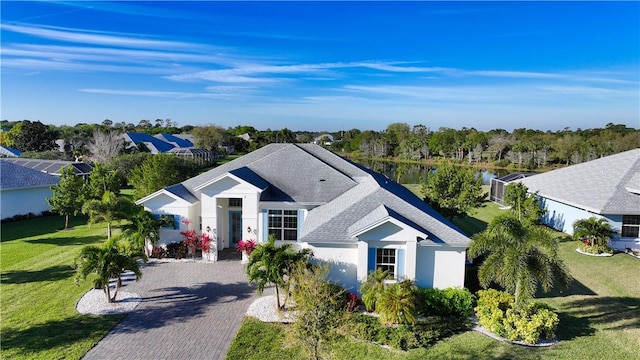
(37, 291)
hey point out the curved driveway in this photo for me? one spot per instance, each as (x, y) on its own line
(189, 310)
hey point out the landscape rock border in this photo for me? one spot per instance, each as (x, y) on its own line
(94, 302)
(596, 255)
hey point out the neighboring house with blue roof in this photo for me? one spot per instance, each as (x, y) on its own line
(155, 145)
(6, 151)
(352, 218)
(24, 190)
(177, 141)
(608, 188)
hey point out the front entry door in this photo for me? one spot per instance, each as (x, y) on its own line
(235, 227)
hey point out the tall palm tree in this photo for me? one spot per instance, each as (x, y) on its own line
(268, 264)
(110, 208)
(518, 257)
(107, 263)
(597, 231)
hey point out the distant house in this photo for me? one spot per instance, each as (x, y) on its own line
(53, 167)
(6, 151)
(176, 140)
(24, 190)
(353, 219)
(324, 139)
(608, 187)
(155, 145)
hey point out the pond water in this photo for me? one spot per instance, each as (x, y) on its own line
(415, 173)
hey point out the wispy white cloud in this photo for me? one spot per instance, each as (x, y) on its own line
(94, 37)
(153, 93)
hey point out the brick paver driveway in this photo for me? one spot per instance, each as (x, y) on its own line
(189, 310)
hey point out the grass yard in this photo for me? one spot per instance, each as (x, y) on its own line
(599, 317)
(38, 294)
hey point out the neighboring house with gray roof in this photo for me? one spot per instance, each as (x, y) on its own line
(24, 190)
(351, 217)
(608, 188)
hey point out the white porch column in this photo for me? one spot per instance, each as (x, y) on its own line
(363, 261)
(250, 213)
(410, 259)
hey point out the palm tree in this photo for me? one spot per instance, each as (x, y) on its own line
(518, 257)
(107, 263)
(373, 287)
(110, 208)
(397, 304)
(597, 231)
(269, 264)
(143, 229)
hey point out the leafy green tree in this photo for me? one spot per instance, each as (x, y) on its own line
(373, 287)
(453, 191)
(271, 264)
(526, 206)
(35, 136)
(159, 171)
(208, 137)
(597, 231)
(397, 303)
(101, 180)
(106, 263)
(109, 209)
(518, 257)
(318, 308)
(68, 195)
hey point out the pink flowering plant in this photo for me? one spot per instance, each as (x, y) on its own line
(246, 245)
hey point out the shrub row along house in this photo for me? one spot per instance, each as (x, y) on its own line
(351, 217)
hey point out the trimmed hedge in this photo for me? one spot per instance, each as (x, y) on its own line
(446, 302)
(419, 335)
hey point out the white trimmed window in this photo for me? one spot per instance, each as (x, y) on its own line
(630, 226)
(283, 224)
(386, 260)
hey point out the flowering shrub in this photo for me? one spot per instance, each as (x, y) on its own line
(246, 245)
(205, 243)
(351, 302)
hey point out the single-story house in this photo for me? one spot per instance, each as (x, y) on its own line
(352, 218)
(180, 141)
(154, 144)
(608, 187)
(24, 190)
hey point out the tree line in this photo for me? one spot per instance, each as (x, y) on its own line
(521, 148)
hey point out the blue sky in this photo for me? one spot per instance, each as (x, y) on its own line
(323, 65)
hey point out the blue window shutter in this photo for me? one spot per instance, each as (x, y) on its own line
(300, 221)
(372, 260)
(400, 263)
(265, 224)
(176, 221)
(156, 216)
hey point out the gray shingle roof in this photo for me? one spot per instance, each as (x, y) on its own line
(14, 176)
(347, 194)
(599, 186)
(52, 166)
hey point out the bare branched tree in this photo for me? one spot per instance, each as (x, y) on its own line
(105, 145)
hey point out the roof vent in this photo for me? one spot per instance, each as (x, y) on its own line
(321, 180)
